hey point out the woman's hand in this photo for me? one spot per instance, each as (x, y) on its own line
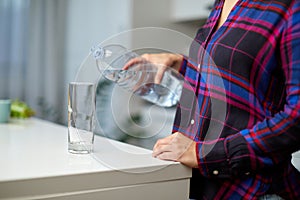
(176, 147)
(162, 61)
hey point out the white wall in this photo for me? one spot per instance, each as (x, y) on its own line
(157, 13)
(89, 23)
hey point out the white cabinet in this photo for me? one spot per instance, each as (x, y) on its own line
(189, 10)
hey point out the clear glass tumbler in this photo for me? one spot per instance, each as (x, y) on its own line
(81, 110)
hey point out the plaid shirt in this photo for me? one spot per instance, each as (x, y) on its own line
(241, 101)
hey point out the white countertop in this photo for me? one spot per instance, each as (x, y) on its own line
(34, 149)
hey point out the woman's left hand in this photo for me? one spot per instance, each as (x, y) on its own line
(176, 147)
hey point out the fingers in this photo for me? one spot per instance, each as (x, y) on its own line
(164, 141)
(167, 156)
(162, 59)
(145, 58)
(160, 62)
(167, 144)
(162, 149)
(159, 74)
(134, 61)
(176, 147)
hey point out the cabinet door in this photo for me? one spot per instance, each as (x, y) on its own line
(189, 10)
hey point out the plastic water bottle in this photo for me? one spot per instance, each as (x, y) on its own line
(139, 78)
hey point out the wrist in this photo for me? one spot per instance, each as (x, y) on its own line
(178, 59)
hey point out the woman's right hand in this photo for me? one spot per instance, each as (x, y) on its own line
(161, 60)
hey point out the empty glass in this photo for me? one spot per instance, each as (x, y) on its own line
(81, 110)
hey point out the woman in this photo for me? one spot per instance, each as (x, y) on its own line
(255, 45)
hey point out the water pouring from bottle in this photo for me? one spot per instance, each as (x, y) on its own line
(140, 78)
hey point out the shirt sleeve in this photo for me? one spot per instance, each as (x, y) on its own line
(272, 140)
(183, 65)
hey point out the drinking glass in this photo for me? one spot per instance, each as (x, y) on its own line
(81, 111)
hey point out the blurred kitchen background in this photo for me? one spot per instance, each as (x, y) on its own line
(43, 43)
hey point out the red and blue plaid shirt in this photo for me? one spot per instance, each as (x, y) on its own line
(241, 101)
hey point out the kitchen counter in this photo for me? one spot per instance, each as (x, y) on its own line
(35, 164)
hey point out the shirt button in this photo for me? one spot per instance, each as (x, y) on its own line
(215, 172)
(192, 122)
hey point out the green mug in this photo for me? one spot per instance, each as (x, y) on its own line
(4, 110)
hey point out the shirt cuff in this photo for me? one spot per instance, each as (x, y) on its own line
(225, 157)
(183, 66)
